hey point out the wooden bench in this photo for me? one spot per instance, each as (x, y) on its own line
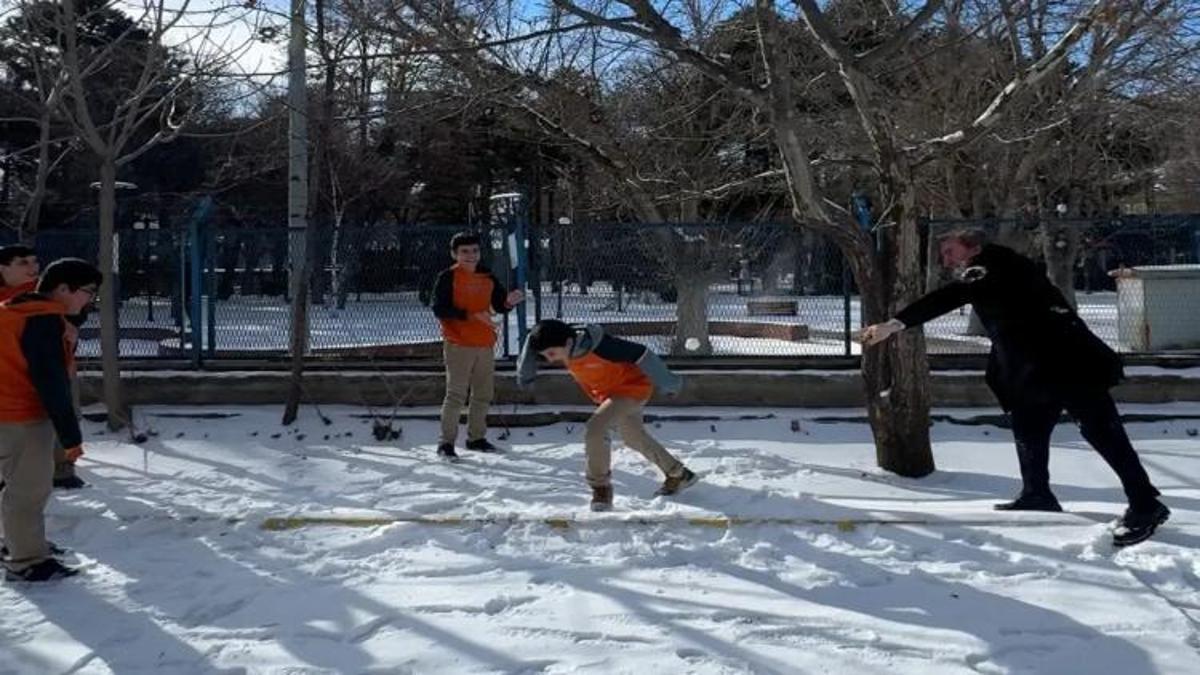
(771, 308)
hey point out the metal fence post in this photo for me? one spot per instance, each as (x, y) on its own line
(195, 304)
(210, 259)
(520, 262)
(846, 305)
(194, 292)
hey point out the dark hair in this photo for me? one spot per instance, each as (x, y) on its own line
(14, 251)
(464, 239)
(73, 272)
(967, 236)
(550, 333)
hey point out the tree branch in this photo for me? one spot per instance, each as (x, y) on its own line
(1026, 80)
(901, 38)
(661, 32)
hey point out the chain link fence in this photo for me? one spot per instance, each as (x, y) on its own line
(730, 290)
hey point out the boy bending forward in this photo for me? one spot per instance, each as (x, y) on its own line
(618, 375)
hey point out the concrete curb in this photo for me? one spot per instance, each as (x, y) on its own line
(750, 388)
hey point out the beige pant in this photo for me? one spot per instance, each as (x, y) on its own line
(626, 415)
(26, 465)
(468, 369)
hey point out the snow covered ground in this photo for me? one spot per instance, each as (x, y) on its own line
(867, 573)
(253, 323)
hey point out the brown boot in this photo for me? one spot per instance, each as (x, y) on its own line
(673, 484)
(602, 498)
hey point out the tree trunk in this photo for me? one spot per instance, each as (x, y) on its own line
(1060, 245)
(34, 215)
(114, 398)
(896, 374)
(299, 231)
(350, 253)
(691, 313)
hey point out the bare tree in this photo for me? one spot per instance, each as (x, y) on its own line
(126, 91)
(37, 89)
(886, 261)
(660, 164)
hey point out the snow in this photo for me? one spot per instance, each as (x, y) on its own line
(860, 572)
(259, 323)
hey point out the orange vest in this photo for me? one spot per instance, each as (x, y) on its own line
(472, 294)
(602, 379)
(19, 401)
(9, 292)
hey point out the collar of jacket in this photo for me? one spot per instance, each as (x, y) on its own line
(586, 339)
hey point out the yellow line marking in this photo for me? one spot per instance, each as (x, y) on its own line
(284, 523)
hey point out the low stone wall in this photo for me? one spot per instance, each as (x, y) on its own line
(742, 329)
(757, 388)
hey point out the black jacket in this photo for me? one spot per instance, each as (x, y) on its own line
(1041, 349)
(443, 295)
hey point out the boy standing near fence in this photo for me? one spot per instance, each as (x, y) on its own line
(464, 297)
(19, 270)
(620, 376)
(37, 346)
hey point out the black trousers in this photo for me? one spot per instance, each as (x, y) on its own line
(1096, 414)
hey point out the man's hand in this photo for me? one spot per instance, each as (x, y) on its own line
(73, 454)
(873, 335)
(514, 298)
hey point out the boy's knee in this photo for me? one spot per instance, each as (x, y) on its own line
(596, 426)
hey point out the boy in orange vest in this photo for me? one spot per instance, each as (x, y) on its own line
(464, 297)
(19, 275)
(37, 347)
(620, 376)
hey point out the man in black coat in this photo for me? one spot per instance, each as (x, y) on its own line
(1043, 360)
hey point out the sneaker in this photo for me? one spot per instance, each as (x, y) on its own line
(46, 570)
(482, 445)
(673, 484)
(1034, 501)
(1139, 524)
(602, 498)
(446, 452)
(69, 483)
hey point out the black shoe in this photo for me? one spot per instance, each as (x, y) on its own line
(446, 452)
(54, 548)
(1035, 501)
(602, 498)
(1139, 524)
(482, 445)
(673, 484)
(46, 570)
(69, 483)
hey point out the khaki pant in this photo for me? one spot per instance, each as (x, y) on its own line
(26, 466)
(467, 369)
(626, 415)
